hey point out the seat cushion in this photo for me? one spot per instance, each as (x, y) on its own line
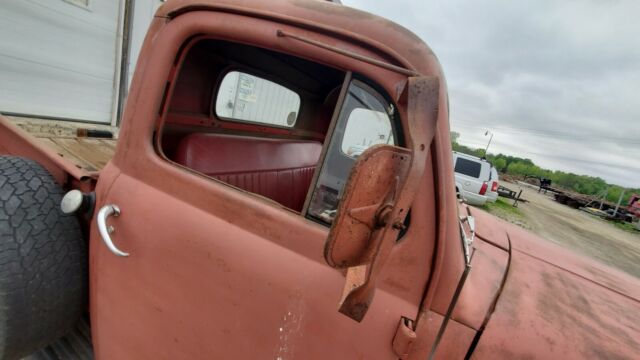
(280, 169)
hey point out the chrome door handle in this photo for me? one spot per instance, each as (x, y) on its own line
(105, 230)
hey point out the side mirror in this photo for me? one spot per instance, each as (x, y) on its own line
(366, 207)
(367, 223)
(377, 197)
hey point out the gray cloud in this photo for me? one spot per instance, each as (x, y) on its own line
(555, 81)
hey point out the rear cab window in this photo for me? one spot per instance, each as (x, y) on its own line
(246, 97)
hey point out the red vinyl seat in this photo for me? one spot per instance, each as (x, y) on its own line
(280, 169)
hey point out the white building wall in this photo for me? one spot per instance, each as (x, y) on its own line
(143, 11)
(58, 59)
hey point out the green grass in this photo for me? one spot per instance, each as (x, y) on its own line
(503, 206)
(504, 209)
(623, 225)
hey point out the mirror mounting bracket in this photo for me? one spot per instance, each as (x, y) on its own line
(376, 199)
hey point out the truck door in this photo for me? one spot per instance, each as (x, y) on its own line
(192, 262)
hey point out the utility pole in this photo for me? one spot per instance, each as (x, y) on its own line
(489, 143)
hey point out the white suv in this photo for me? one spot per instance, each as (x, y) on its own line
(492, 193)
(472, 178)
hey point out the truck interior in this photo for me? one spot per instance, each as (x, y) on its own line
(257, 120)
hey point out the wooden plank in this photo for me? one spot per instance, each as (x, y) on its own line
(111, 143)
(90, 154)
(94, 154)
(66, 154)
(103, 149)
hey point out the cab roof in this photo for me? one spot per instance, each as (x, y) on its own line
(371, 31)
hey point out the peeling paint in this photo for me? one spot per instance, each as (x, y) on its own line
(289, 330)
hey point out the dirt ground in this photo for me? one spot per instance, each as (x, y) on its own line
(579, 231)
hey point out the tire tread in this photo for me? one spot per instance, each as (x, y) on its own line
(43, 260)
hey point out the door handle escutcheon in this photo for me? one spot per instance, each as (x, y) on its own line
(105, 230)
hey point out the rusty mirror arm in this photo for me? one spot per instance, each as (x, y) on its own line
(376, 199)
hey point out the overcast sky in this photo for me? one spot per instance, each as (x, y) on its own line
(556, 81)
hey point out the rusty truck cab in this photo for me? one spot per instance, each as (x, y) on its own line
(279, 163)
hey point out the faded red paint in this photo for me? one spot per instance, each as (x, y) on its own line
(217, 273)
(556, 304)
(264, 264)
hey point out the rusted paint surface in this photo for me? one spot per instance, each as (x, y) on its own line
(488, 268)
(404, 339)
(613, 279)
(373, 186)
(454, 343)
(553, 306)
(354, 55)
(181, 228)
(398, 181)
(211, 289)
(386, 38)
(214, 272)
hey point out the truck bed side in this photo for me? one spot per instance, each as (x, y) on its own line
(56, 146)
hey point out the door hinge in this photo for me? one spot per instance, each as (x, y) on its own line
(404, 339)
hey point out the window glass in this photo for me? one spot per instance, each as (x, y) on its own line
(468, 167)
(364, 121)
(365, 128)
(245, 97)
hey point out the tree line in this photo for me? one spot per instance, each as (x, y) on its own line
(582, 184)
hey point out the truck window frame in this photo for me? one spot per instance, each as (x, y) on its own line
(169, 93)
(349, 76)
(396, 127)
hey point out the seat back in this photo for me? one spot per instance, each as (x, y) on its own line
(280, 169)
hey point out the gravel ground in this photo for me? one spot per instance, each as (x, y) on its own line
(578, 231)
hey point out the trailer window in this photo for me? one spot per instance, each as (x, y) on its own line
(245, 97)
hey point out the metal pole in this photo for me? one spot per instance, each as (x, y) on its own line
(606, 192)
(615, 212)
(515, 203)
(489, 143)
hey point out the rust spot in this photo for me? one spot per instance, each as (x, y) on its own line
(222, 265)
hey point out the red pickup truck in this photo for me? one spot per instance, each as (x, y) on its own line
(234, 219)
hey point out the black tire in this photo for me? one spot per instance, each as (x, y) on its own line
(43, 260)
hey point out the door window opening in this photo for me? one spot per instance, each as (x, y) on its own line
(365, 120)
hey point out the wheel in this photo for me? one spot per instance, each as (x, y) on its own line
(43, 260)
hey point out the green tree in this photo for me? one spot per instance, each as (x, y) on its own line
(500, 164)
(513, 165)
